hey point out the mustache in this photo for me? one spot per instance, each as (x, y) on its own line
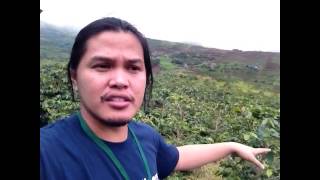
(110, 96)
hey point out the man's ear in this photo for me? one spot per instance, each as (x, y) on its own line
(73, 75)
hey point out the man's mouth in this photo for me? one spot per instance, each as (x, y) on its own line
(117, 101)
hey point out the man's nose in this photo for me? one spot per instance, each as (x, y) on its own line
(119, 80)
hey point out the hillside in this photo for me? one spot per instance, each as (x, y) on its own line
(55, 42)
(200, 96)
(199, 53)
(192, 109)
(260, 68)
(59, 40)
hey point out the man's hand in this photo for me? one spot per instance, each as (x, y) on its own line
(249, 153)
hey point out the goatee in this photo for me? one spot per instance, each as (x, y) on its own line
(114, 122)
(111, 122)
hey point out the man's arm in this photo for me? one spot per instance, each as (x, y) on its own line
(194, 156)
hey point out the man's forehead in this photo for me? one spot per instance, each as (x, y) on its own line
(114, 36)
(113, 44)
(115, 40)
(110, 59)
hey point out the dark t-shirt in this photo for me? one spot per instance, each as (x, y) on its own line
(67, 153)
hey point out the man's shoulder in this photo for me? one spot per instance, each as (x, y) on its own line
(144, 130)
(58, 129)
(141, 126)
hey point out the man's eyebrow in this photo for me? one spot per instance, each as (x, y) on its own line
(107, 59)
(133, 61)
(101, 58)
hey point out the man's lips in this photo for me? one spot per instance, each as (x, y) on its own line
(117, 101)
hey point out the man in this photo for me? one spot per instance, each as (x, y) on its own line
(110, 70)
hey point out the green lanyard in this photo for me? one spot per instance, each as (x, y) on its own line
(109, 152)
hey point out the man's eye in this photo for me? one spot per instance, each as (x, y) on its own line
(134, 68)
(102, 66)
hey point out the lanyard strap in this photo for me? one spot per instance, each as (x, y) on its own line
(109, 152)
(146, 167)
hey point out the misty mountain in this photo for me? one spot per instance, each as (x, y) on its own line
(56, 43)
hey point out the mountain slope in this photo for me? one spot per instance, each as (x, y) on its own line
(253, 66)
(55, 42)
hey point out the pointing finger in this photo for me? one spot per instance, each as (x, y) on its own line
(261, 150)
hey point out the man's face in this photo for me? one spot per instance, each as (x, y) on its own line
(111, 76)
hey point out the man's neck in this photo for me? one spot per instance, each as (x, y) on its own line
(107, 133)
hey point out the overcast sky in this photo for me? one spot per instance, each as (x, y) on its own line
(223, 24)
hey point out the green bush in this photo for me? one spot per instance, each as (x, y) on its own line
(192, 109)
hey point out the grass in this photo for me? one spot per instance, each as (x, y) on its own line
(166, 64)
(204, 173)
(51, 62)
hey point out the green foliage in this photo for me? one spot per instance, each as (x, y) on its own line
(178, 61)
(189, 109)
(234, 72)
(192, 109)
(165, 63)
(216, 98)
(55, 97)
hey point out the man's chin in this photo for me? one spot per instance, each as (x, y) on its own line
(112, 120)
(115, 122)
